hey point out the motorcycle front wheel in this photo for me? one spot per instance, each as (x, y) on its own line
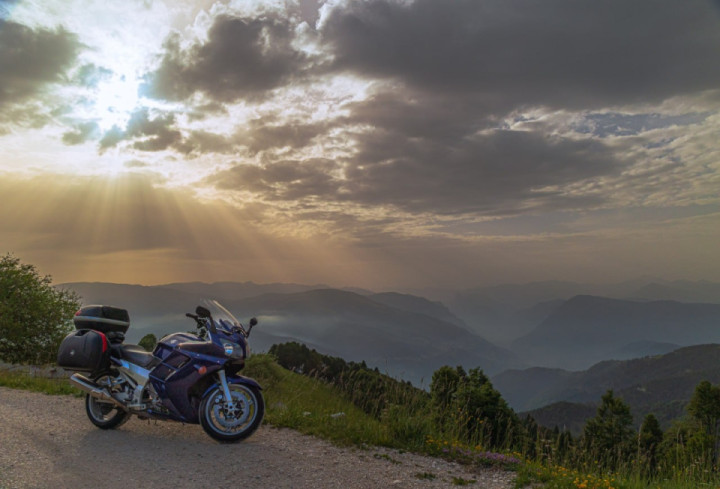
(103, 414)
(231, 423)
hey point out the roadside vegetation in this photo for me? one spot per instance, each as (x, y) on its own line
(463, 418)
(25, 381)
(34, 316)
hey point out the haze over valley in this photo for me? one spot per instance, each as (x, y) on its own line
(647, 346)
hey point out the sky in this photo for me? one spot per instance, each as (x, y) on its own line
(381, 144)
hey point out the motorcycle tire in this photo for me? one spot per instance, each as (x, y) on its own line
(103, 414)
(232, 425)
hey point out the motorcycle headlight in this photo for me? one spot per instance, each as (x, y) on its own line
(229, 347)
(233, 350)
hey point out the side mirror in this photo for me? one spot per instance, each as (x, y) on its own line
(253, 322)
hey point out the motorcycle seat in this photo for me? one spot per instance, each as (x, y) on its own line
(135, 354)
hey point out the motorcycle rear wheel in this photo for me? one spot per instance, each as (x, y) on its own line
(103, 414)
(225, 425)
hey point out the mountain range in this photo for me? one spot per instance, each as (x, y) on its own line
(586, 329)
(556, 343)
(406, 336)
(503, 313)
(662, 384)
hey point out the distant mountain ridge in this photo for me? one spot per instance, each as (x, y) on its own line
(681, 291)
(385, 331)
(550, 329)
(588, 329)
(420, 305)
(240, 290)
(662, 384)
(502, 313)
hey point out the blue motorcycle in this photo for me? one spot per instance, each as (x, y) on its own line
(192, 378)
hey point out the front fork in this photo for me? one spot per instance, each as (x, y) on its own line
(225, 388)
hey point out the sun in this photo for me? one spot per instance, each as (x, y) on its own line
(115, 100)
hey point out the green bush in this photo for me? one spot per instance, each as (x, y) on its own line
(34, 316)
(148, 342)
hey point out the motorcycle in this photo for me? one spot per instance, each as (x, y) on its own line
(191, 378)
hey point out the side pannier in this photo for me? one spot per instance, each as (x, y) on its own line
(84, 351)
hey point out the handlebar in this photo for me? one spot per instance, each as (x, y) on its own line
(202, 322)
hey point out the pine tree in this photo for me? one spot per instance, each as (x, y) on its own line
(607, 436)
(649, 440)
(705, 408)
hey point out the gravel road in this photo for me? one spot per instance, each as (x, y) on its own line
(48, 442)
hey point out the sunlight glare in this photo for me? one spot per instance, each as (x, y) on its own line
(116, 99)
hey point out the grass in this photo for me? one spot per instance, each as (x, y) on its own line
(23, 381)
(312, 407)
(559, 477)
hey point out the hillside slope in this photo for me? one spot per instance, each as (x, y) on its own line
(661, 384)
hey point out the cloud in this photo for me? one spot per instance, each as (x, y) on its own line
(31, 60)
(90, 75)
(83, 132)
(241, 58)
(618, 124)
(503, 172)
(580, 54)
(205, 142)
(282, 180)
(260, 136)
(150, 131)
(495, 173)
(254, 137)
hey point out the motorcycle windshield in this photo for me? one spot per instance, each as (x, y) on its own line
(222, 317)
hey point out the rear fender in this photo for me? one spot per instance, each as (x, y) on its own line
(236, 379)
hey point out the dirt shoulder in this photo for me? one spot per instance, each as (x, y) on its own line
(48, 442)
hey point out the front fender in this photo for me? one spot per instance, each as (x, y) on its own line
(235, 379)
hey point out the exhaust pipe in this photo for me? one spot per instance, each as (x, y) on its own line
(87, 385)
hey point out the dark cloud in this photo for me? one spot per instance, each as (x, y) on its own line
(502, 172)
(442, 154)
(111, 138)
(283, 180)
(496, 173)
(257, 136)
(260, 136)
(561, 53)
(31, 59)
(83, 132)
(150, 131)
(242, 58)
(204, 111)
(205, 142)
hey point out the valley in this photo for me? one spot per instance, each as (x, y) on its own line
(548, 347)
